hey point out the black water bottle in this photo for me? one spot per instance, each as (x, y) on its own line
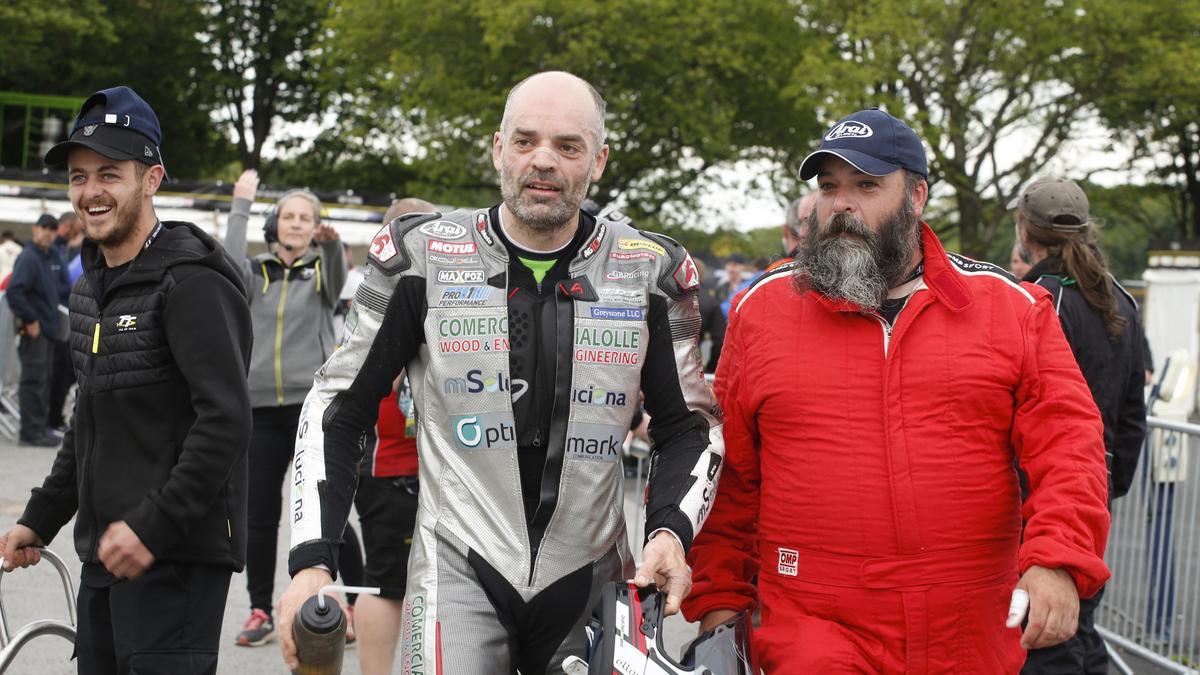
(320, 633)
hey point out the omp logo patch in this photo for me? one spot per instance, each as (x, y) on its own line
(789, 562)
(850, 129)
(127, 323)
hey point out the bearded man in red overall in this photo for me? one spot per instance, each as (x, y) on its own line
(878, 394)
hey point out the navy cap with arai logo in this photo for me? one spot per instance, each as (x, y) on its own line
(872, 141)
(116, 123)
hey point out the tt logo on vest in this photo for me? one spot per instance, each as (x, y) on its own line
(127, 323)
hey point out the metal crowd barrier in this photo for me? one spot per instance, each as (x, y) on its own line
(10, 643)
(1151, 606)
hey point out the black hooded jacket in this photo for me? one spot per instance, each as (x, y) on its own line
(1112, 368)
(162, 418)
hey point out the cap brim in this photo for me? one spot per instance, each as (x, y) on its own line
(859, 160)
(1013, 204)
(111, 141)
(57, 156)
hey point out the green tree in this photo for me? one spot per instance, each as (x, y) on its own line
(994, 88)
(264, 52)
(73, 49)
(1151, 91)
(41, 41)
(690, 86)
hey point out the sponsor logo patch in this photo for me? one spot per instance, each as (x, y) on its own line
(595, 442)
(484, 431)
(622, 296)
(444, 229)
(610, 346)
(640, 244)
(578, 288)
(618, 313)
(481, 226)
(476, 382)
(127, 323)
(460, 277)
(451, 248)
(628, 273)
(472, 335)
(465, 296)
(850, 129)
(455, 261)
(637, 255)
(599, 396)
(383, 248)
(687, 276)
(594, 244)
(789, 562)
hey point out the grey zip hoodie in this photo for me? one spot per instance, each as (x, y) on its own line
(292, 311)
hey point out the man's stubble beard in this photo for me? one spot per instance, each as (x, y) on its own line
(126, 222)
(570, 198)
(861, 268)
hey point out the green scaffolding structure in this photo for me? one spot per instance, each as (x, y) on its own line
(32, 103)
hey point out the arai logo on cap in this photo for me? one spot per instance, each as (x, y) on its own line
(849, 129)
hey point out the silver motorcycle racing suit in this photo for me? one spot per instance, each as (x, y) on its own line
(524, 390)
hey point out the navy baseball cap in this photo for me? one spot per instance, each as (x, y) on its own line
(116, 123)
(874, 142)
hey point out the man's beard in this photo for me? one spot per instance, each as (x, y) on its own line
(124, 225)
(861, 267)
(561, 210)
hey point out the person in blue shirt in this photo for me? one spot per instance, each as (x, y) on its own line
(38, 286)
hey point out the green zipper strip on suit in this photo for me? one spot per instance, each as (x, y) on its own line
(279, 336)
(318, 275)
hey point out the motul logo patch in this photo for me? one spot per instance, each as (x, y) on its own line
(450, 248)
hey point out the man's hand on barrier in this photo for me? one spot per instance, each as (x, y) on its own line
(123, 553)
(246, 186)
(17, 547)
(1053, 607)
(663, 563)
(305, 584)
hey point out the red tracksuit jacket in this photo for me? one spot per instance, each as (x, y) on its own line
(869, 475)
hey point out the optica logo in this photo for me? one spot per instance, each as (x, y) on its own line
(484, 431)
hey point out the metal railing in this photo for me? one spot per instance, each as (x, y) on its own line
(1151, 606)
(11, 643)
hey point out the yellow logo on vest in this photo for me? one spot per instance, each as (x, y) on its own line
(642, 244)
(127, 323)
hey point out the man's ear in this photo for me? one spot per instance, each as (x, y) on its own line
(153, 179)
(920, 197)
(601, 162)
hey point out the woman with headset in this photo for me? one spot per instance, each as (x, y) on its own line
(294, 288)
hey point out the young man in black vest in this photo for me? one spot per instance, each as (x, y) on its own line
(154, 461)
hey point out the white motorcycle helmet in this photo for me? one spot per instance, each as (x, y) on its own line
(626, 636)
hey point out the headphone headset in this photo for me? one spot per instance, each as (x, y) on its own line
(271, 224)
